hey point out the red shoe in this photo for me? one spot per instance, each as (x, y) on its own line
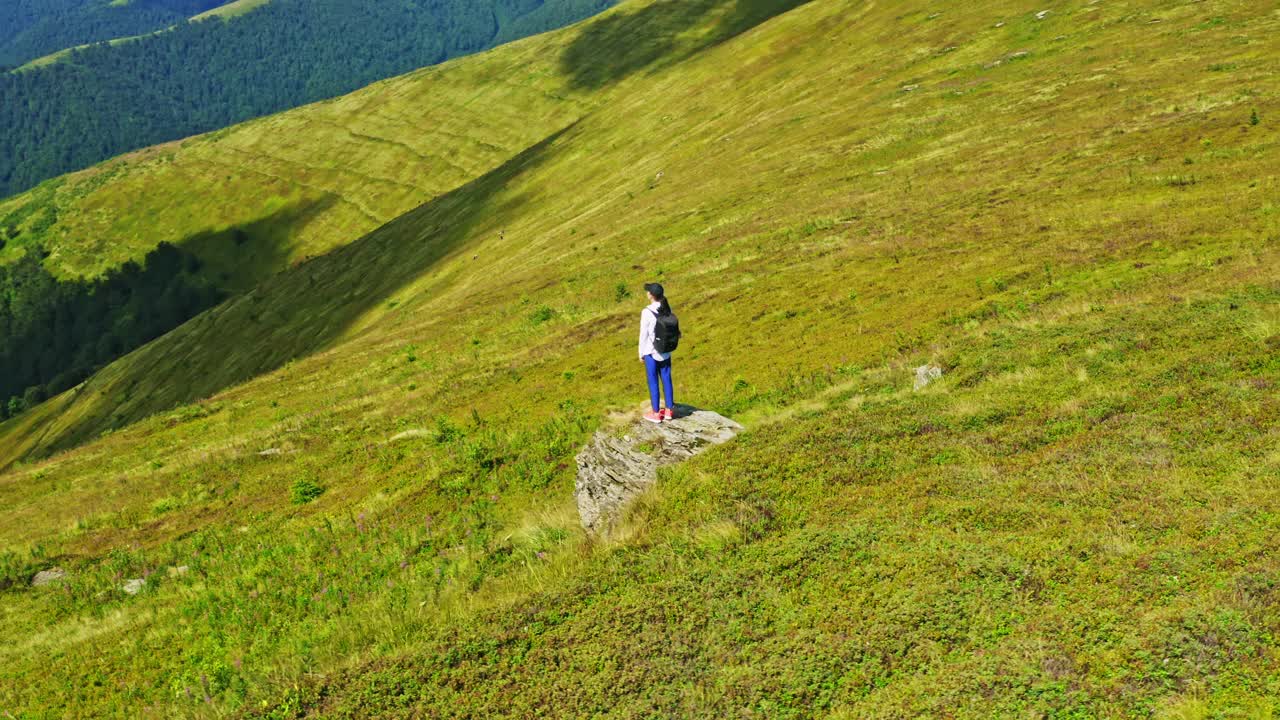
(668, 414)
(653, 417)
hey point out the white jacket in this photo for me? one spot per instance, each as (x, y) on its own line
(648, 319)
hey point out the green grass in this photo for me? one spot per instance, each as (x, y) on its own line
(387, 149)
(1076, 521)
(1086, 551)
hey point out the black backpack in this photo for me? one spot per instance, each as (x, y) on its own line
(666, 332)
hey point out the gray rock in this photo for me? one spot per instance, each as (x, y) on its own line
(270, 452)
(134, 586)
(926, 374)
(178, 570)
(619, 463)
(46, 577)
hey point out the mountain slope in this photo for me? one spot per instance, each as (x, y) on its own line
(301, 182)
(105, 99)
(1069, 212)
(243, 204)
(388, 148)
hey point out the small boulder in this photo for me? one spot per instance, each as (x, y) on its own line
(620, 462)
(47, 577)
(133, 586)
(178, 570)
(926, 374)
(270, 452)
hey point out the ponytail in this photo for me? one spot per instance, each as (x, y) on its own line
(654, 289)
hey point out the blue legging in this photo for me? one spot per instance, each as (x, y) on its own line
(655, 368)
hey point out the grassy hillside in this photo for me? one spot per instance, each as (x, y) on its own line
(255, 199)
(299, 183)
(1072, 213)
(110, 98)
(302, 182)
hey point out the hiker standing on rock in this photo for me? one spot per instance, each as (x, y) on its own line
(659, 335)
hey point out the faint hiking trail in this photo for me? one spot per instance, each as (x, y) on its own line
(622, 459)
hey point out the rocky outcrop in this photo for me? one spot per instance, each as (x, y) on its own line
(622, 461)
(926, 374)
(48, 577)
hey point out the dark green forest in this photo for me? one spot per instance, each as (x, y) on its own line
(30, 29)
(55, 333)
(104, 100)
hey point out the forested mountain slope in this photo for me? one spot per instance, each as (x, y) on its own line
(106, 99)
(364, 507)
(32, 28)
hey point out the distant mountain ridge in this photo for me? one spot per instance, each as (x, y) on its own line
(104, 99)
(33, 28)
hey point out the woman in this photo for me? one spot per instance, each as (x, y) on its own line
(657, 364)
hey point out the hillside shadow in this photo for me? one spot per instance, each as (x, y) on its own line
(658, 35)
(237, 259)
(64, 328)
(296, 313)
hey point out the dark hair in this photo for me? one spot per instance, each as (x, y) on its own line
(656, 290)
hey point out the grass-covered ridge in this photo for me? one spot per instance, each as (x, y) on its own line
(104, 99)
(299, 183)
(1070, 214)
(30, 29)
